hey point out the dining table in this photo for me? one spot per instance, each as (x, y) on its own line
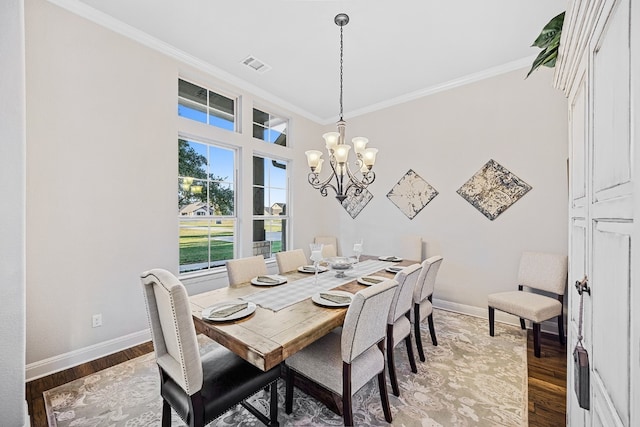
(285, 319)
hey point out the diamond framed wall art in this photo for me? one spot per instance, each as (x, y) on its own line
(493, 189)
(411, 194)
(354, 204)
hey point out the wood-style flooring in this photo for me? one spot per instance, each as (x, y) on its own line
(547, 382)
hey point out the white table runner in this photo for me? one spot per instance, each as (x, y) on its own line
(278, 297)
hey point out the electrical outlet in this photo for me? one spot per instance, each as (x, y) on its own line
(97, 320)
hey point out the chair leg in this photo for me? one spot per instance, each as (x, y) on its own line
(416, 329)
(382, 386)
(536, 339)
(561, 329)
(391, 361)
(166, 414)
(273, 407)
(407, 340)
(347, 408)
(492, 316)
(432, 330)
(288, 399)
(196, 410)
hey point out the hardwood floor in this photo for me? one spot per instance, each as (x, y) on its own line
(547, 376)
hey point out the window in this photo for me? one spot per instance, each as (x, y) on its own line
(206, 205)
(270, 216)
(203, 105)
(269, 128)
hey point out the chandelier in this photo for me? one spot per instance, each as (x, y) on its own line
(342, 179)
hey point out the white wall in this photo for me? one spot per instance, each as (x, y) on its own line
(446, 138)
(12, 213)
(101, 180)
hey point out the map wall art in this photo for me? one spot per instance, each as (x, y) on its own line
(493, 189)
(411, 194)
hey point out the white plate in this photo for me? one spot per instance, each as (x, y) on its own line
(321, 301)
(394, 269)
(390, 258)
(311, 269)
(363, 280)
(206, 313)
(280, 280)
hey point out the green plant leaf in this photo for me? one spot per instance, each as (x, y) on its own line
(549, 32)
(547, 57)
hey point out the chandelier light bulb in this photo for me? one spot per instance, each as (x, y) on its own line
(313, 158)
(331, 139)
(341, 152)
(369, 157)
(359, 144)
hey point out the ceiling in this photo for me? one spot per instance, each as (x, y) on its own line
(394, 50)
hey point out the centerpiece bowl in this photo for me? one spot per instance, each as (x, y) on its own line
(340, 264)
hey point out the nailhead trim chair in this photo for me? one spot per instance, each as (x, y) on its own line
(199, 389)
(344, 362)
(422, 301)
(541, 271)
(398, 323)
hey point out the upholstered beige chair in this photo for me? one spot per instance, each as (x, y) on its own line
(328, 242)
(329, 251)
(244, 269)
(538, 271)
(398, 323)
(410, 248)
(290, 260)
(344, 362)
(198, 388)
(422, 301)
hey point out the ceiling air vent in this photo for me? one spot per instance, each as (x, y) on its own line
(255, 64)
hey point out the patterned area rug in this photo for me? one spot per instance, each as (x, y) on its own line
(469, 379)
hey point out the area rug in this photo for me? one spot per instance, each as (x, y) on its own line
(469, 379)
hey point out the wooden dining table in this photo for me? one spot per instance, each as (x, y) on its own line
(266, 337)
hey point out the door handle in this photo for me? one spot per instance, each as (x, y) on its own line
(583, 285)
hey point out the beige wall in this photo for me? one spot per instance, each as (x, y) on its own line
(102, 173)
(446, 138)
(102, 168)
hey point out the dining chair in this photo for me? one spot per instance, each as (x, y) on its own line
(398, 321)
(537, 271)
(329, 251)
(198, 388)
(410, 248)
(422, 301)
(242, 270)
(343, 363)
(326, 241)
(290, 260)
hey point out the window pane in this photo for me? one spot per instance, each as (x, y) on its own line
(222, 241)
(222, 198)
(192, 159)
(192, 92)
(260, 204)
(192, 197)
(194, 247)
(221, 164)
(269, 237)
(192, 111)
(269, 128)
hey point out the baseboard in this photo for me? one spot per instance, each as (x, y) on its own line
(64, 361)
(27, 419)
(550, 327)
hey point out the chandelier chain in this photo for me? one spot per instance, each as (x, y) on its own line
(341, 54)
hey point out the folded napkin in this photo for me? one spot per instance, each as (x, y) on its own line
(309, 268)
(338, 299)
(267, 279)
(227, 311)
(391, 258)
(372, 280)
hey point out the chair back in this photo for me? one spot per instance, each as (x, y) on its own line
(427, 279)
(329, 251)
(544, 271)
(244, 269)
(326, 241)
(290, 260)
(363, 326)
(401, 303)
(172, 331)
(410, 248)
